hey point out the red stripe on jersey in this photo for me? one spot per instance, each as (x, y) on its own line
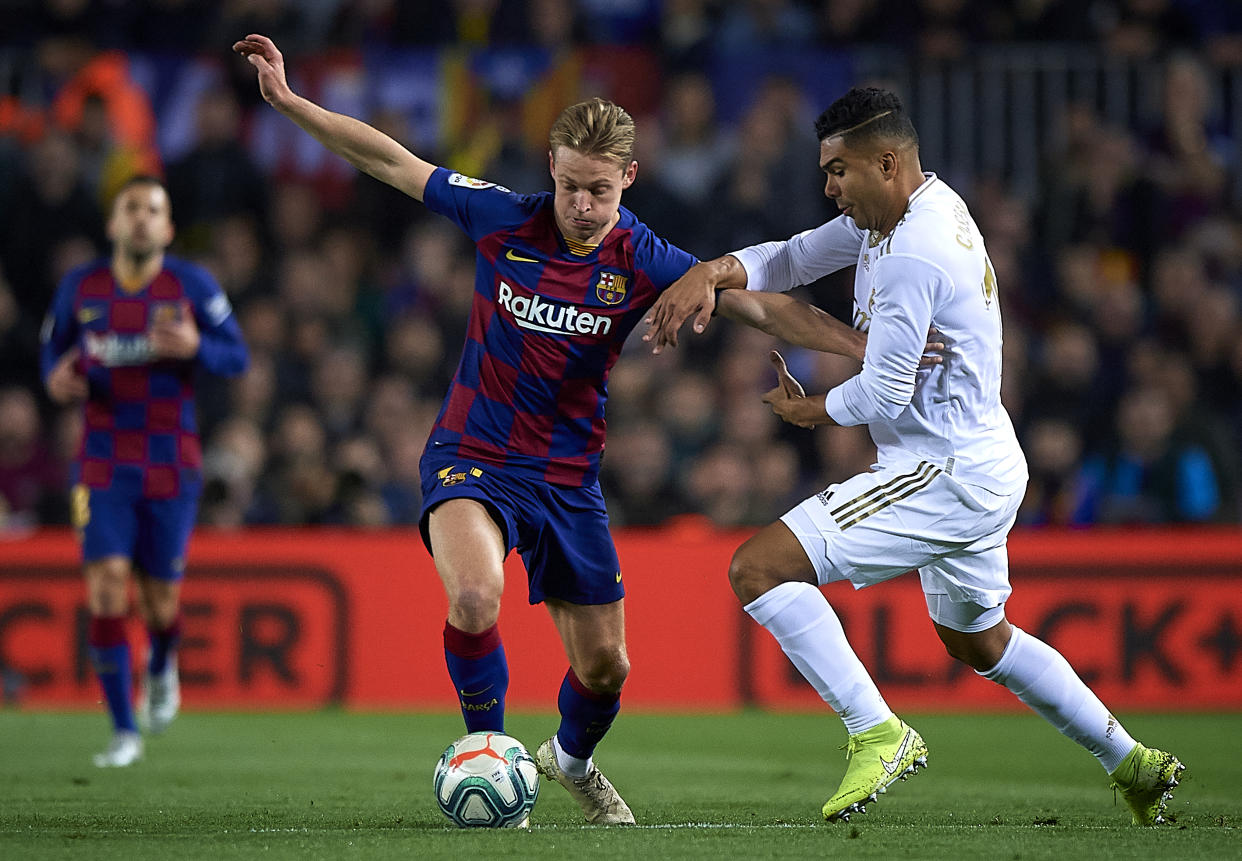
(165, 287)
(96, 473)
(97, 284)
(189, 450)
(531, 434)
(131, 384)
(129, 446)
(159, 482)
(458, 408)
(98, 416)
(497, 376)
(567, 471)
(163, 415)
(128, 316)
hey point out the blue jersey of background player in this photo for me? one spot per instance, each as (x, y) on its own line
(123, 336)
(512, 462)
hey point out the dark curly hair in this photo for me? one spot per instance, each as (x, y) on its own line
(867, 114)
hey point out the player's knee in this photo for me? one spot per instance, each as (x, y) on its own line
(474, 608)
(980, 652)
(750, 575)
(605, 673)
(107, 586)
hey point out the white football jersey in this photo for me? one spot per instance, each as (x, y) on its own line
(931, 270)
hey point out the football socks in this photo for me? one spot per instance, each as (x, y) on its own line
(109, 654)
(162, 643)
(1038, 675)
(585, 717)
(808, 630)
(480, 674)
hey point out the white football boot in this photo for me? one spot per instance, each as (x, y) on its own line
(161, 698)
(124, 750)
(599, 800)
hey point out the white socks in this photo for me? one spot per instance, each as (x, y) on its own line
(800, 618)
(1039, 676)
(571, 765)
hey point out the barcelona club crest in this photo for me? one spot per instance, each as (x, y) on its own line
(449, 478)
(611, 288)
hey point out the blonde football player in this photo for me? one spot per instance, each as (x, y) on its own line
(944, 494)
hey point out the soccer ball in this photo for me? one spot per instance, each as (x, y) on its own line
(486, 780)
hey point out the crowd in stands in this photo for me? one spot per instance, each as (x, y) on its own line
(1121, 282)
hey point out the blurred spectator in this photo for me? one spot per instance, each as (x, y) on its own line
(1148, 476)
(1121, 276)
(752, 25)
(51, 203)
(696, 150)
(29, 473)
(637, 475)
(216, 178)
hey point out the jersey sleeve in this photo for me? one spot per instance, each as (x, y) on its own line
(907, 291)
(776, 267)
(664, 262)
(221, 350)
(60, 327)
(476, 206)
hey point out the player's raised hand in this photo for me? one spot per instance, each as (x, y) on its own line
(66, 382)
(693, 293)
(262, 53)
(786, 381)
(789, 401)
(176, 335)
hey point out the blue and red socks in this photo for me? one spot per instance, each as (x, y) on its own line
(480, 674)
(585, 718)
(109, 653)
(163, 644)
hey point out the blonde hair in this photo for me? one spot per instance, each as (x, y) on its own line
(597, 128)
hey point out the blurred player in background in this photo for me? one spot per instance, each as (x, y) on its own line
(124, 335)
(950, 476)
(513, 459)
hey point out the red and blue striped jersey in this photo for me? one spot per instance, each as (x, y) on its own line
(546, 326)
(140, 424)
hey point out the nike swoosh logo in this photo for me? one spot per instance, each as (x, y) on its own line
(475, 693)
(891, 767)
(618, 576)
(87, 315)
(518, 258)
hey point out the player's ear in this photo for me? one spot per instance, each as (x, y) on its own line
(888, 163)
(552, 163)
(630, 174)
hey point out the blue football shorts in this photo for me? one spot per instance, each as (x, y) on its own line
(152, 533)
(561, 532)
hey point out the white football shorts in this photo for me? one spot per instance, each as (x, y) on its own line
(881, 524)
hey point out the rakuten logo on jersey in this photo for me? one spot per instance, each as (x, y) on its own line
(539, 315)
(115, 351)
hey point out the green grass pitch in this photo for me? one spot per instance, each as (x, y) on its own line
(747, 785)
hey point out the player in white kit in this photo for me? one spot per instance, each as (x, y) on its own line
(950, 473)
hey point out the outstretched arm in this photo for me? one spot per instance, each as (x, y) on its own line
(363, 146)
(693, 293)
(792, 320)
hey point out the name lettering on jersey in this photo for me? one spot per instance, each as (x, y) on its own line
(539, 315)
(611, 288)
(463, 181)
(964, 232)
(115, 351)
